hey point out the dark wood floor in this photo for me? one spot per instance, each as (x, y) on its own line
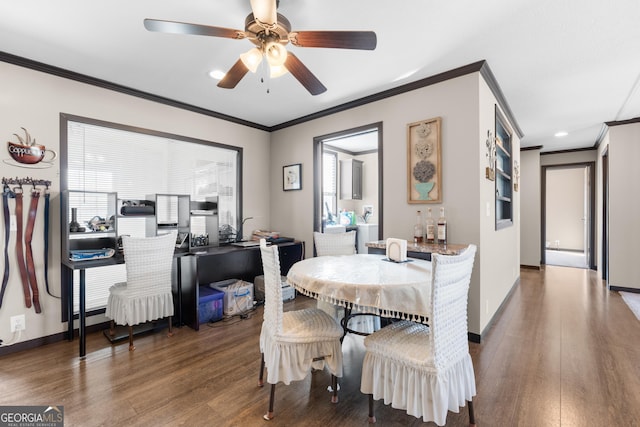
(563, 352)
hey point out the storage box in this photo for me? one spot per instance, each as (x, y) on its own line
(288, 293)
(210, 304)
(238, 296)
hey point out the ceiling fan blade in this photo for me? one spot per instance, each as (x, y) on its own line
(264, 11)
(193, 29)
(365, 40)
(234, 75)
(303, 75)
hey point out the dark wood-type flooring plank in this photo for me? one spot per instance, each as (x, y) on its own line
(564, 351)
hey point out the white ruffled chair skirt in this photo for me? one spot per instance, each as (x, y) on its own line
(420, 393)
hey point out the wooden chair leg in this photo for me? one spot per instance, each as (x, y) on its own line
(372, 417)
(112, 328)
(334, 387)
(261, 375)
(170, 333)
(269, 415)
(472, 415)
(131, 347)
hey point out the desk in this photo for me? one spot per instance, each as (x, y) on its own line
(68, 267)
(221, 263)
(368, 283)
(189, 271)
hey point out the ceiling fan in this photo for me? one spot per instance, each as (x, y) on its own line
(270, 32)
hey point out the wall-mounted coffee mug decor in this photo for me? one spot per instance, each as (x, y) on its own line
(27, 153)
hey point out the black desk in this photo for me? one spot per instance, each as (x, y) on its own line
(225, 262)
(68, 267)
(189, 272)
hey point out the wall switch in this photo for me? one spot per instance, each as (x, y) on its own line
(13, 223)
(488, 208)
(18, 323)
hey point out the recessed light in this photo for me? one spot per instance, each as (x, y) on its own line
(561, 134)
(217, 74)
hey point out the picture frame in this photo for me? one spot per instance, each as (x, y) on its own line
(292, 177)
(424, 161)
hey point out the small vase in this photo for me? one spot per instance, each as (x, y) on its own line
(423, 189)
(74, 226)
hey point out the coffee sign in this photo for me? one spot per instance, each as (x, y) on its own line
(27, 152)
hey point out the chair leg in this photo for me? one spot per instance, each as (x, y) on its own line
(261, 375)
(372, 417)
(334, 387)
(131, 347)
(112, 328)
(472, 415)
(170, 333)
(269, 415)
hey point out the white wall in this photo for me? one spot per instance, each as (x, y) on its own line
(530, 208)
(565, 207)
(499, 249)
(35, 100)
(624, 205)
(466, 106)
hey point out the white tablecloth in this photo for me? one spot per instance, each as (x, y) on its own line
(369, 283)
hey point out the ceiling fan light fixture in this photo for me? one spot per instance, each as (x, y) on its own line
(251, 59)
(276, 71)
(276, 54)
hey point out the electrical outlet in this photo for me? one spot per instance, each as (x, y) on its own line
(18, 323)
(13, 223)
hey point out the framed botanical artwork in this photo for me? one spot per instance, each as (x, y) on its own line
(292, 177)
(424, 162)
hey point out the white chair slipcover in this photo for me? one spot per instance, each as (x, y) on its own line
(335, 244)
(426, 370)
(294, 342)
(146, 295)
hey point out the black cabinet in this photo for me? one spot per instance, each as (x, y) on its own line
(351, 179)
(222, 263)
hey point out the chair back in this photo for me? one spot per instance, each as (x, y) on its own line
(450, 280)
(148, 263)
(273, 309)
(335, 243)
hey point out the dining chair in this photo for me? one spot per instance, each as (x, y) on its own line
(426, 370)
(294, 342)
(328, 244)
(146, 295)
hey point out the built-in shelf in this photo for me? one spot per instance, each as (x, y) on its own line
(504, 167)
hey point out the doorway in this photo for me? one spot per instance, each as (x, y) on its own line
(348, 182)
(567, 215)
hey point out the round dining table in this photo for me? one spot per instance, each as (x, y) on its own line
(369, 283)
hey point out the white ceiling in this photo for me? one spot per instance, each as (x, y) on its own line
(567, 65)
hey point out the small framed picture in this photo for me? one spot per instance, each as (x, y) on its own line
(292, 177)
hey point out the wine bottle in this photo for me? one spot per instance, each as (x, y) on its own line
(442, 228)
(430, 227)
(418, 231)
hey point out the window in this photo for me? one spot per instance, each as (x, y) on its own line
(106, 157)
(329, 184)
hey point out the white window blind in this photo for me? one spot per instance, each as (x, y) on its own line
(329, 182)
(136, 165)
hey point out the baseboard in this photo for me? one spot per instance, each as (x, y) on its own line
(49, 339)
(477, 338)
(623, 289)
(530, 267)
(31, 344)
